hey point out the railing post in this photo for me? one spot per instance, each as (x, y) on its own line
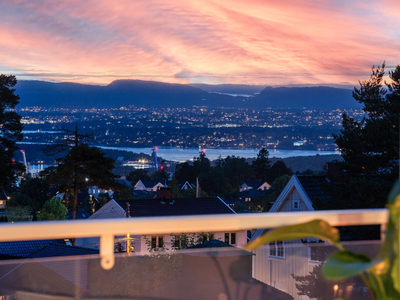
(107, 251)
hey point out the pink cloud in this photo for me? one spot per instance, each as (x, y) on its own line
(256, 41)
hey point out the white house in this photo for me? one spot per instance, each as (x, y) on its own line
(251, 184)
(275, 263)
(150, 185)
(165, 207)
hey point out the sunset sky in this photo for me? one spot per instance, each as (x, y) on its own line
(221, 41)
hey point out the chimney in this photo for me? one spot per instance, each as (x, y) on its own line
(336, 172)
(165, 193)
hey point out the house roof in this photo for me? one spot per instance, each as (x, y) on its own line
(312, 185)
(176, 207)
(181, 184)
(124, 182)
(294, 183)
(233, 201)
(150, 183)
(54, 249)
(3, 195)
(250, 193)
(24, 248)
(253, 183)
(80, 214)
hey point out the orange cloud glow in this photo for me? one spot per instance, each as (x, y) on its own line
(221, 41)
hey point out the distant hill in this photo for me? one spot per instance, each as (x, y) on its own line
(233, 89)
(307, 97)
(157, 94)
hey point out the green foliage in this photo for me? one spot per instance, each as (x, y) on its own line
(103, 199)
(53, 209)
(236, 170)
(83, 166)
(185, 172)
(318, 228)
(239, 206)
(371, 146)
(161, 174)
(277, 170)
(19, 199)
(136, 175)
(19, 214)
(381, 276)
(10, 132)
(261, 165)
(201, 164)
(36, 189)
(274, 191)
(124, 195)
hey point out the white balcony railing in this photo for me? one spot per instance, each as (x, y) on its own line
(109, 228)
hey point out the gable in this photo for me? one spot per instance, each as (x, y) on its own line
(264, 186)
(292, 191)
(139, 185)
(110, 210)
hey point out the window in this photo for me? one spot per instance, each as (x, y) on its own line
(233, 238)
(296, 204)
(177, 241)
(230, 238)
(157, 242)
(277, 249)
(227, 238)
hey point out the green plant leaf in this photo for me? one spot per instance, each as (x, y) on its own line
(345, 264)
(317, 229)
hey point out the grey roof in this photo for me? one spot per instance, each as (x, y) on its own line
(254, 184)
(52, 250)
(3, 195)
(250, 193)
(24, 248)
(150, 183)
(313, 186)
(176, 207)
(41, 248)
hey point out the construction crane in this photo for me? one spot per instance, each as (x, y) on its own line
(24, 161)
(154, 155)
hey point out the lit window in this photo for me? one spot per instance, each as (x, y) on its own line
(277, 249)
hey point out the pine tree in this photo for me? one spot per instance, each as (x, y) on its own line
(10, 132)
(371, 146)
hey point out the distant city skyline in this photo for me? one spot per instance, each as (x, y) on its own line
(214, 42)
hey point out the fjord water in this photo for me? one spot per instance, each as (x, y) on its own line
(183, 154)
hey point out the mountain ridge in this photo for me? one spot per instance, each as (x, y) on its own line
(125, 93)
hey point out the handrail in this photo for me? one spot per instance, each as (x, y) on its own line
(108, 228)
(177, 224)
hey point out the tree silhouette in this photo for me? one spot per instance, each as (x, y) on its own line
(261, 165)
(83, 166)
(371, 146)
(10, 132)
